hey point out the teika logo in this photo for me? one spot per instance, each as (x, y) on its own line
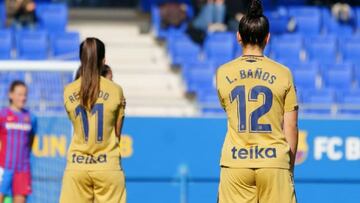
(253, 153)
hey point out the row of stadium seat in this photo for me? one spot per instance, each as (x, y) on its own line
(287, 48)
(47, 39)
(45, 88)
(321, 102)
(307, 20)
(268, 4)
(199, 75)
(38, 45)
(311, 20)
(324, 74)
(52, 17)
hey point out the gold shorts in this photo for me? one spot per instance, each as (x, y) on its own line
(265, 185)
(81, 186)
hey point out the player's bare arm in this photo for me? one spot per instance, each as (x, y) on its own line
(291, 134)
(120, 120)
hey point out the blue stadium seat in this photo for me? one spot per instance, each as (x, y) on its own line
(32, 45)
(308, 19)
(320, 101)
(156, 22)
(160, 32)
(291, 2)
(340, 77)
(267, 51)
(2, 15)
(345, 39)
(53, 17)
(305, 78)
(199, 79)
(322, 96)
(300, 94)
(219, 47)
(238, 50)
(287, 47)
(333, 26)
(6, 44)
(349, 101)
(351, 49)
(357, 13)
(342, 66)
(66, 45)
(184, 51)
(209, 102)
(303, 66)
(322, 48)
(278, 21)
(201, 65)
(208, 96)
(174, 36)
(357, 74)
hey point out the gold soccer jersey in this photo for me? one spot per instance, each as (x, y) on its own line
(255, 93)
(94, 144)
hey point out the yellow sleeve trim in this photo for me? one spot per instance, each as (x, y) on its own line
(294, 107)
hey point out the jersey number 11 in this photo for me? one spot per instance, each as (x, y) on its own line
(97, 110)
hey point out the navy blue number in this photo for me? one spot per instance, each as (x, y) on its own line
(262, 110)
(98, 109)
(85, 123)
(238, 94)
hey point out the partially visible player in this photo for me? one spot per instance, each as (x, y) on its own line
(106, 72)
(259, 98)
(95, 106)
(17, 129)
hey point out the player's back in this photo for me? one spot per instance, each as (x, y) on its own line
(255, 93)
(94, 144)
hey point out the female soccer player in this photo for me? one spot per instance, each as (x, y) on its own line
(17, 128)
(95, 107)
(259, 98)
(107, 72)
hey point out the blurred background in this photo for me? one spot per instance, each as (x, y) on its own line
(165, 53)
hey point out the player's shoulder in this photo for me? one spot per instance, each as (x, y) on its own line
(72, 86)
(110, 84)
(276, 66)
(4, 111)
(227, 66)
(28, 114)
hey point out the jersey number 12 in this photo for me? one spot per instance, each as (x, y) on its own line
(238, 94)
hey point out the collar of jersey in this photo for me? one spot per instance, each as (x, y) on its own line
(252, 56)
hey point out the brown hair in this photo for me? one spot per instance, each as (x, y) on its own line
(15, 84)
(92, 54)
(104, 71)
(254, 26)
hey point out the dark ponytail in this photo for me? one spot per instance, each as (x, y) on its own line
(92, 54)
(254, 26)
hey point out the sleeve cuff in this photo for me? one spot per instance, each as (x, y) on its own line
(290, 108)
